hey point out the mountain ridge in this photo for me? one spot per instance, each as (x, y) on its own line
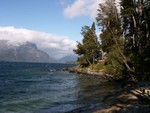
(68, 59)
(22, 52)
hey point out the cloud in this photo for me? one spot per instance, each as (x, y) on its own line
(82, 8)
(55, 46)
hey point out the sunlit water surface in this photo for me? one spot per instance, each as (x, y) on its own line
(46, 88)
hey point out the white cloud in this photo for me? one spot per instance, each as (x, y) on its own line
(55, 46)
(82, 8)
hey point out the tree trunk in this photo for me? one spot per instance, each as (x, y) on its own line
(121, 53)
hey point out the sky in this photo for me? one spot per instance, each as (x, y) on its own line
(53, 25)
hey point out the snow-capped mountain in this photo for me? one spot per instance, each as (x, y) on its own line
(22, 52)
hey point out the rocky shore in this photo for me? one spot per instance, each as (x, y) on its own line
(86, 71)
(133, 97)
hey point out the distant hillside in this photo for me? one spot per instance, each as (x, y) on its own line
(22, 52)
(68, 59)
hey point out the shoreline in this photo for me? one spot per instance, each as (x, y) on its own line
(133, 97)
(128, 100)
(86, 71)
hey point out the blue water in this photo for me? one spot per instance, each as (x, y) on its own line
(46, 88)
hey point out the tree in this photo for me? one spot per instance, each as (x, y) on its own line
(89, 49)
(109, 20)
(136, 25)
(126, 37)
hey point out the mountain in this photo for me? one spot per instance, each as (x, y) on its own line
(68, 59)
(22, 52)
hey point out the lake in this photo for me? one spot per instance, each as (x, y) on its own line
(47, 88)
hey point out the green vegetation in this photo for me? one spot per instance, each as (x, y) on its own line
(98, 66)
(89, 49)
(125, 40)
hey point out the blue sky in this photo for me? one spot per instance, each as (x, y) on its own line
(50, 19)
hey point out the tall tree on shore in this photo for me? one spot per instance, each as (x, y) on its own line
(109, 19)
(89, 49)
(136, 26)
(126, 37)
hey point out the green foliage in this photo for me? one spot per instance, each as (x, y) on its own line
(125, 39)
(136, 25)
(111, 37)
(82, 61)
(128, 55)
(115, 66)
(100, 65)
(89, 49)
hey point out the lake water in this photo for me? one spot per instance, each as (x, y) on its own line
(46, 88)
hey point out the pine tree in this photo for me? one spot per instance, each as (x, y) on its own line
(136, 25)
(112, 41)
(89, 49)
